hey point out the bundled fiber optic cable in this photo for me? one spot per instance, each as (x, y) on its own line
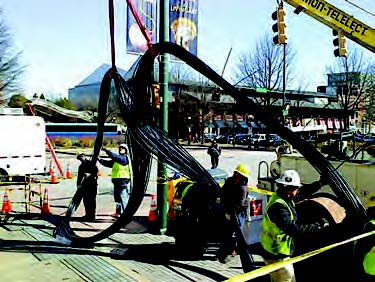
(147, 141)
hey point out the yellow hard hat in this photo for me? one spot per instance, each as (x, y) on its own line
(371, 201)
(241, 169)
(80, 154)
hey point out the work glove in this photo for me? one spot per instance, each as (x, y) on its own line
(323, 180)
(323, 223)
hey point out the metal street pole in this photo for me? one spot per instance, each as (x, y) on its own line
(284, 79)
(163, 79)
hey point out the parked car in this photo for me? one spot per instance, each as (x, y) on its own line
(275, 140)
(209, 137)
(370, 137)
(257, 140)
(240, 138)
(223, 139)
(260, 140)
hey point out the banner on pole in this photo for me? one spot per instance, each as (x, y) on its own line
(183, 24)
(135, 41)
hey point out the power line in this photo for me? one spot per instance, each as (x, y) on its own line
(359, 7)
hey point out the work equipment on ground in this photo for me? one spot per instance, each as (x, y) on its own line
(46, 209)
(153, 212)
(68, 173)
(7, 206)
(54, 179)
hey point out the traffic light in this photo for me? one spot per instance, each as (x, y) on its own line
(216, 95)
(156, 90)
(339, 42)
(279, 26)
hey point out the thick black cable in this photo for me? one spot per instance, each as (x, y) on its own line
(338, 183)
(145, 138)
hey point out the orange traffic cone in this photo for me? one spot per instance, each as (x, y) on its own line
(69, 173)
(54, 179)
(7, 206)
(50, 167)
(46, 209)
(152, 217)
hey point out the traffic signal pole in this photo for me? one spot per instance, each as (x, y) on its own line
(162, 185)
(281, 39)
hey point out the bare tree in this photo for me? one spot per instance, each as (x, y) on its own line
(263, 65)
(180, 73)
(10, 69)
(352, 76)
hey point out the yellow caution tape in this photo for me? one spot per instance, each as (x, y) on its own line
(261, 191)
(275, 266)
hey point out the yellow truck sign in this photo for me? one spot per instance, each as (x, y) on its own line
(338, 20)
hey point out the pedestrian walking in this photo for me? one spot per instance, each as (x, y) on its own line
(214, 151)
(121, 176)
(234, 203)
(364, 249)
(87, 180)
(280, 224)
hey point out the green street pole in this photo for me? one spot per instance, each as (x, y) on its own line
(162, 186)
(284, 80)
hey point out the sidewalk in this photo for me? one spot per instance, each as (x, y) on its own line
(129, 255)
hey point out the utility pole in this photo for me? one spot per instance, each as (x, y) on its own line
(163, 79)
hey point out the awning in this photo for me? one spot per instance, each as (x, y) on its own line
(229, 123)
(242, 124)
(219, 124)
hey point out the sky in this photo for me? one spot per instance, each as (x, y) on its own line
(62, 42)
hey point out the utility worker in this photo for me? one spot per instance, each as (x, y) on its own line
(87, 180)
(234, 202)
(364, 249)
(279, 224)
(121, 176)
(214, 151)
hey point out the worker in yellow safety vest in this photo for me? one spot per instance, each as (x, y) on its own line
(280, 225)
(121, 176)
(364, 249)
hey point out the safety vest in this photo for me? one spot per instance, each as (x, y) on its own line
(120, 171)
(273, 239)
(369, 259)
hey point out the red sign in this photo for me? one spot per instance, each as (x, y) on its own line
(256, 207)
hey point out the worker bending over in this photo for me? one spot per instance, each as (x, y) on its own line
(280, 224)
(87, 182)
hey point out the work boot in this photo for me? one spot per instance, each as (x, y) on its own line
(115, 215)
(88, 218)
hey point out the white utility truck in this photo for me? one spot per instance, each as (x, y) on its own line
(359, 173)
(22, 145)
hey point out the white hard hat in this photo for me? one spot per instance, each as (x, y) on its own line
(289, 178)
